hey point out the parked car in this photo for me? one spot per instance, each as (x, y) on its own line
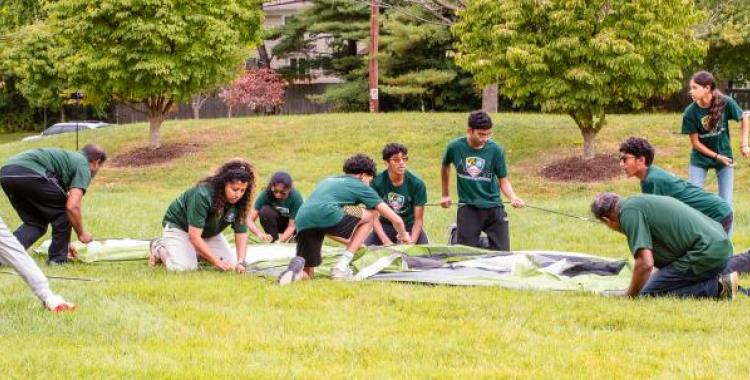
(67, 127)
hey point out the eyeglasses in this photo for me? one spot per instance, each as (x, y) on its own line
(282, 192)
(625, 157)
(396, 160)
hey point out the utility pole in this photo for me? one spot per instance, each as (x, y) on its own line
(374, 35)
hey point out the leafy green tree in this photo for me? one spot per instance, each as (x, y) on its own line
(579, 57)
(727, 30)
(154, 53)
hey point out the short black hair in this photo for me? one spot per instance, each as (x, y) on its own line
(479, 120)
(94, 153)
(393, 149)
(360, 164)
(638, 147)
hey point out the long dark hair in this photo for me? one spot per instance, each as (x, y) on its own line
(233, 170)
(716, 109)
(279, 177)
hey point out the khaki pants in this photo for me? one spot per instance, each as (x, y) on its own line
(181, 254)
(13, 254)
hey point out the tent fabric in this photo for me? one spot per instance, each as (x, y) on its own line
(429, 264)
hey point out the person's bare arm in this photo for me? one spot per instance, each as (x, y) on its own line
(416, 229)
(706, 151)
(73, 211)
(744, 126)
(288, 232)
(398, 223)
(507, 190)
(644, 265)
(194, 234)
(445, 172)
(254, 227)
(240, 242)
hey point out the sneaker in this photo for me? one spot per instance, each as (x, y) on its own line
(341, 275)
(728, 285)
(57, 304)
(293, 272)
(154, 257)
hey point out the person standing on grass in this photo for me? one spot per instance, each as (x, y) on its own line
(689, 249)
(404, 192)
(277, 208)
(323, 215)
(13, 254)
(194, 221)
(480, 168)
(46, 186)
(706, 120)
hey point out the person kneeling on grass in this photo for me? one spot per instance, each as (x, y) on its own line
(13, 254)
(277, 207)
(194, 221)
(689, 249)
(404, 192)
(323, 214)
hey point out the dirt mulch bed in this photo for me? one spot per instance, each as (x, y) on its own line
(141, 157)
(575, 169)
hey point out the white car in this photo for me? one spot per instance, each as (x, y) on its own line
(67, 127)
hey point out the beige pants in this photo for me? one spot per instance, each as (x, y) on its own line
(181, 254)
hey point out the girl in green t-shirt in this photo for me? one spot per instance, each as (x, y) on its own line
(277, 207)
(706, 120)
(194, 221)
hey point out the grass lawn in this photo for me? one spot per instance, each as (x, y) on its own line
(139, 323)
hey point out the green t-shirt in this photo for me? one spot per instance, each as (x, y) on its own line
(70, 168)
(325, 206)
(193, 208)
(287, 208)
(660, 182)
(695, 118)
(402, 199)
(477, 172)
(675, 233)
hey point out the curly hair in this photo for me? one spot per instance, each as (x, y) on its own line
(281, 177)
(716, 109)
(638, 147)
(360, 164)
(480, 120)
(603, 205)
(233, 170)
(393, 149)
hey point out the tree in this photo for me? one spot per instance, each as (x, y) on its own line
(579, 57)
(154, 53)
(726, 30)
(258, 89)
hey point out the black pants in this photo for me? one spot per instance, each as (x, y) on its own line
(472, 221)
(391, 232)
(272, 221)
(310, 242)
(39, 201)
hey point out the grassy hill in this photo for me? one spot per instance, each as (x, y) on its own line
(140, 323)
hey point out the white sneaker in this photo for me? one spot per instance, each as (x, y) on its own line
(341, 275)
(57, 304)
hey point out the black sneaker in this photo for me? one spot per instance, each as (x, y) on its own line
(293, 272)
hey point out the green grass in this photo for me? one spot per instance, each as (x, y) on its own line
(139, 323)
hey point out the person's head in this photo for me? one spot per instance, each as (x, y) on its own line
(360, 166)
(395, 156)
(232, 183)
(96, 157)
(280, 186)
(479, 129)
(637, 156)
(703, 90)
(605, 208)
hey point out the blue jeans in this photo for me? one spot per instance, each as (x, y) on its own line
(670, 281)
(725, 176)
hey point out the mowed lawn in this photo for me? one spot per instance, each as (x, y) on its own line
(139, 323)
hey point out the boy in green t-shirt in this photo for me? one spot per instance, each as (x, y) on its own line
(481, 174)
(404, 192)
(690, 250)
(323, 215)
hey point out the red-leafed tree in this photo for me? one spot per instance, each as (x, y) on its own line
(258, 89)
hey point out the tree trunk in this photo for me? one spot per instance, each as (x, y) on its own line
(154, 124)
(196, 111)
(589, 139)
(489, 98)
(264, 61)
(62, 114)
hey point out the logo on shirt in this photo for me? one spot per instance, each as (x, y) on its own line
(474, 166)
(396, 201)
(229, 217)
(710, 133)
(284, 211)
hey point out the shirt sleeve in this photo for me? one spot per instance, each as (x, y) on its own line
(198, 207)
(633, 224)
(368, 196)
(239, 227)
(732, 109)
(690, 124)
(81, 178)
(448, 155)
(296, 204)
(420, 195)
(260, 200)
(501, 170)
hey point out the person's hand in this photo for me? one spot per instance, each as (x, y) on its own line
(266, 238)
(446, 202)
(387, 243)
(72, 252)
(403, 238)
(745, 151)
(240, 268)
(517, 202)
(85, 237)
(724, 160)
(225, 267)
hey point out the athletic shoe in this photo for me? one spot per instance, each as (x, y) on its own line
(154, 257)
(728, 285)
(57, 304)
(293, 272)
(341, 275)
